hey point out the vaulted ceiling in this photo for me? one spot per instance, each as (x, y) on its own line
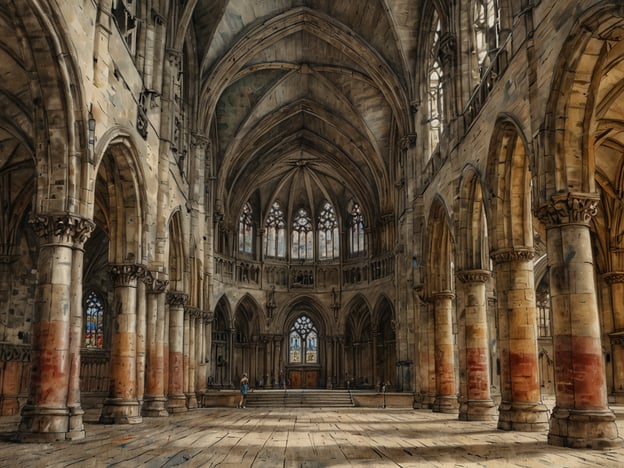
(306, 100)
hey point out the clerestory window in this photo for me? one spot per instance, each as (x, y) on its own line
(328, 235)
(275, 232)
(246, 230)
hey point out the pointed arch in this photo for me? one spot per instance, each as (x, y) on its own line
(472, 238)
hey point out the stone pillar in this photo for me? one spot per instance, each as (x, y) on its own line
(201, 358)
(277, 359)
(176, 399)
(122, 405)
(141, 341)
(191, 396)
(53, 410)
(154, 399)
(82, 230)
(581, 417)
(478, 404)
(446, 389)
(521, 407)
(616, 284)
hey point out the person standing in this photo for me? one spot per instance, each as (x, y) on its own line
(244, 388)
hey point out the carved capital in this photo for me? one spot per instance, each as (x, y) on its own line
(569, 208)
(177, 299)
(208, 317)
(408, 141)
(62, 228)
(473, 276)
(444, 295)
(174, 58)
(199, 142)
(514, 254)
(155, 285)
(614, 277)
(126, 273)
(194, 312)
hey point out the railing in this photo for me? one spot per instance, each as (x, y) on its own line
(284, 275)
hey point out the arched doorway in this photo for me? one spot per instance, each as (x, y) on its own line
(303, 368)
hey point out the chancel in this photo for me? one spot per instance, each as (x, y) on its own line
(412, 204)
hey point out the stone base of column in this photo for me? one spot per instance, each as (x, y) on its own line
(528, 417)
(154, 406)
(616, 398)
(478, 410)
(43, 424)
(191, 400)
(177, 403)
(121, 411)
(583, 429)
(76, 424)
(9, 405)
(445, 404)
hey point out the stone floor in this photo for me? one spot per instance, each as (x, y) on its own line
(302, 437)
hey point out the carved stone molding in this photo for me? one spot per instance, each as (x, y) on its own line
(444, 295)
(617, 337)
(62, 228)
(194, 312)
(174, 57)
(614, 277)
(13, 352)
(408, 141)
(473, 276)
(125, 273)
(447, 47)
(513, 254)
(208, 317)
(569, 208)
(153, 284)
(177, 299)
(199, 141)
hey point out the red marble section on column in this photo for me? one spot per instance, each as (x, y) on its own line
(51, 371)
(446, 390)
(477, 377)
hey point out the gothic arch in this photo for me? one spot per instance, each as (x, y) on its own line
(178, 256)
(472, 234)
(509, 188)
(359, 344)
(440, 249)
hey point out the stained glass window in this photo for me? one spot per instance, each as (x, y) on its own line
(245, 230)
(356, 230)
(275, 232)
(302, 246)
(486, 27)
(328, 235)
(303, 342)
(435, 93)
(94, 322)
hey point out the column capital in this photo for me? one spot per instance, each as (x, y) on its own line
(194, 312)
(155, 285)
(125, 273)
(614, 277)
(64, 228)
(569, 208)
(177, 298)
(199, 141)
(474, 276)
(446, 294)
(513, 254)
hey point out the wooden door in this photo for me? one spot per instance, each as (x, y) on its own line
(311, 379)
(295, 378)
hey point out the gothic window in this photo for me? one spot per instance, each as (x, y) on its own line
(124, 12)
(303, 342)
(94, 322)
(302, 245)
(435, 92)
(486, 30)
(356, 230)
(543, 311)
(328, 233)
(245, 230)
(275, 232)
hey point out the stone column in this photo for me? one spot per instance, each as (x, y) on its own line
(581, 417)
(176, 399)
(616, 284)
(277, 359)
(521, 407)
(53, 411)
(201, 358)
(122, 405)
(478, 405)
(82, 229)
(191, 396)
(154, 402)
(446, 389)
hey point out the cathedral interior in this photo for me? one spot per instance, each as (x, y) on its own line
(424, 196)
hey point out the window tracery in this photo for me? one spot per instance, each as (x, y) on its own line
(486, 31)
(246, 230)
(302, 243)
(328, 235)
(356, 230)
(435, 92)
(303, 342)
(275, 232)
